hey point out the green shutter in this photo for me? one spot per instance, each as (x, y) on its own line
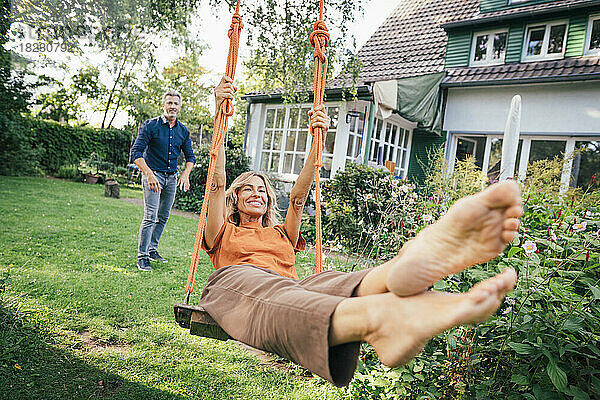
(576, 35)
(492, 5)
(458, 49)
(514, 43)
(423, 144)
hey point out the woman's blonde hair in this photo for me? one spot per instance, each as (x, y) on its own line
(271, 217)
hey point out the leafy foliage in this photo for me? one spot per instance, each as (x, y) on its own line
(543, 342)
(368, 212)
(278, 32)
(14, 92)
(236, 163)
(29, 144)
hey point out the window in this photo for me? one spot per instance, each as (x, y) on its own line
(545, 41)
(592, 42)
(488, 48)
(286, 140)
(356, 125)
(390, 142)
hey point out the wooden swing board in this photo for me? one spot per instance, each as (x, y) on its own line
(198, 321)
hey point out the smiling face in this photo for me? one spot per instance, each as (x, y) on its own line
(252, 198)
(172, 106)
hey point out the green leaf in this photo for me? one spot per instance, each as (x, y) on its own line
(578, 394)
(513, 251)
(574, 324)
(557, 376)
(595, 292)
(521, 348)
(519, 379)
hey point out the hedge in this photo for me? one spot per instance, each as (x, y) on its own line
(28, 145)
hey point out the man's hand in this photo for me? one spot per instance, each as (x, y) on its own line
(224, 90)
(153, 182)
(318, 119)
(184, 182)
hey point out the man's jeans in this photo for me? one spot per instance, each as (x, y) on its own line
(157, 207)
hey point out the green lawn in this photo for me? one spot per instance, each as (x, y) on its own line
(79, 321)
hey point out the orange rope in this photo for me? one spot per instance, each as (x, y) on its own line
(223, 113)
(319, 39)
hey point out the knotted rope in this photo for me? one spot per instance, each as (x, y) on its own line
(224, 111)
(319, 39)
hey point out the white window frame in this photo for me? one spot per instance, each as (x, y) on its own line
(544, 55)
(465, 138)
(523, 162)
(511, 2)
(399, 150)
(588, 36)
(490, 48)
(285, 129)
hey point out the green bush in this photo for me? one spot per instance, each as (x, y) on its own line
(366, 211)
(27, 144)
(70, 172)
(237, 162)
(543, 342)
(20, 153)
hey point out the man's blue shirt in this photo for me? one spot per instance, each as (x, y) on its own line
(160, 145)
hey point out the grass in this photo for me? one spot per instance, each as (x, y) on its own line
(79, 321)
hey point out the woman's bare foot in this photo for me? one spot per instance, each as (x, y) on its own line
(474, 230)
(401, 326)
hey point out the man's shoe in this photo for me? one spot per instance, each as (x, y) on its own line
(156, 257)
(143, 264)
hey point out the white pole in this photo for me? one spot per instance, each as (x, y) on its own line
(510, 141)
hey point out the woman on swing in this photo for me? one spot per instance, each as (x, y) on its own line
(319, 322)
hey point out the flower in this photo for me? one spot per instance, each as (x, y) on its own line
(404, 188)
(508, 309)
(580, 227)
(427, 217)
(529, 246)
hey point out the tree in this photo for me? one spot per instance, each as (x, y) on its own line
(127, 31)
(14, 92)
(278, 31)
(143, 101)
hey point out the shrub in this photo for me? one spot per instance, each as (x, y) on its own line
(368, 212)
(27, 144)
(70, 172)
(543, 342)
(20, 154)
(236, 163)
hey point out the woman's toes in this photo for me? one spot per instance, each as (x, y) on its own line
(509, 236)
(514, 212)
(511, 224)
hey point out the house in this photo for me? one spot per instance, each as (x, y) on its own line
(442, 73)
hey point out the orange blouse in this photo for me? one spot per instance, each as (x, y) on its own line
(253, 244)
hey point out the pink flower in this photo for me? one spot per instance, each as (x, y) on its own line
(508, 309)
(580, 227)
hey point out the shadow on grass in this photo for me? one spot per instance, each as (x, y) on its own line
(30, 368)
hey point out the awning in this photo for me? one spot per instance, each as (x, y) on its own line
(417, 99)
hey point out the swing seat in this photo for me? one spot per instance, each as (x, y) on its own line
(198, 321)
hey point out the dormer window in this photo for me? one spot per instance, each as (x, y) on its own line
(545, 41)
(592, 42)
(488, 48)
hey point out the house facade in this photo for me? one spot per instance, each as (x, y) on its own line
(442, 73)
(548, 52)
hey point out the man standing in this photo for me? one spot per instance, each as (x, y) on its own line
(155, 152)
